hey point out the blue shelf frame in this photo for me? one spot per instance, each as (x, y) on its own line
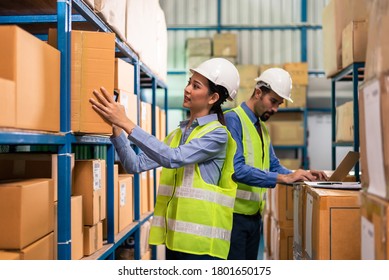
(65, 139)
(353, 73)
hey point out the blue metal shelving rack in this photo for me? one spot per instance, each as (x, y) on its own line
(65, 139)
(353, 73)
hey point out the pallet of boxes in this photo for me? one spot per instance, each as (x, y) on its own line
(374, 137)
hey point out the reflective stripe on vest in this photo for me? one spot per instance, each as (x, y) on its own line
(191, 228)
(251, 199)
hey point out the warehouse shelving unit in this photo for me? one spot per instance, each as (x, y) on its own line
(65, 139)
(353, 73)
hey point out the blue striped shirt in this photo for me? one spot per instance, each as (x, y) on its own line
(208, 151)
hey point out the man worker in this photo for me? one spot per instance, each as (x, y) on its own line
(256, 165)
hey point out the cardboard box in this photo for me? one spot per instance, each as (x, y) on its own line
(332, 224)
(26, 211)
(124, 75)
(130, 103)
(145, 116)
(144, 237)
(90, 182)
(125, 201)
(144, 192)
(375, 227)
(77, 234)
(30, 165)
(291, 163)
(299, 97)
(93, 238)
(281, 241)
(336, 15)
(35, 71)
(354, 43)
(282, 205)
(266, 236)
(225, 44)
(248, 73)
(9, 255)
(286, 132)
(244, 94)
(7, 105)
(200, 46)
(113, 12)
(299, 198)
(92, 67)
(374, 135)
(377, 50)
(298, 72)
(345, 122)
(263, 67)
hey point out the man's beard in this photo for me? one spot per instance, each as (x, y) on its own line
(265, 116)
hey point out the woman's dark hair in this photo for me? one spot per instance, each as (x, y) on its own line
(223, 95)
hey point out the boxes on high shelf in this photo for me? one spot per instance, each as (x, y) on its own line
(201, 46)
(354, 43)
(248, 73)
(298, 72)
(332, 224)
(345, 122)
(92, 67)
(124, 75)
(375, 227)
(374, 135)
(26, 211)
(225, 44)
(34, 68)
(90, 183)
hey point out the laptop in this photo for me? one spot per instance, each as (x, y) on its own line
(336, 179)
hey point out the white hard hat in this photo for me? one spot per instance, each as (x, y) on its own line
(278, 80)
(221, 72)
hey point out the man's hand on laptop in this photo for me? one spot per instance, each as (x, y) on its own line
(319, 175)
(297, 176)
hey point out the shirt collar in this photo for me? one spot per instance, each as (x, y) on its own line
(200, 121)
(249, 113)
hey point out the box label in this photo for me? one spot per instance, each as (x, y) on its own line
(123, 190)
(367, 234)
(375, 160)
(96, 176)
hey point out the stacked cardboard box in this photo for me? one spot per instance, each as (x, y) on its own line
(27, 218)
(345, 122)
(299, 74)
(278, 223)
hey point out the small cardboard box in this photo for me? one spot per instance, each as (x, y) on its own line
(345, 122)
(282, 205)
(200, 46)
(77, 227)
(287, 132)
(26, 211)
(354, 43)
(281, 241)
(298, 72)
(7, 105)
(225, 44)
(125, 202)
(124, 75)
(90, 182)
(93, 238)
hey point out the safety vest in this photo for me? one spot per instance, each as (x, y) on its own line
(191, 215)
(250, 199)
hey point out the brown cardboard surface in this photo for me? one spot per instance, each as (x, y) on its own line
(298, 72)
(375, 227)
(225, 44)
(281, 241)
(90, 182)
(93, 238)
(26, 211)
(145, 116)
(125, 200)
(35, 71)
(286, 132)
(354, 43)
(7, 105)
(130, 103)
(124, 75)
(291, 163)
(247, 73)
(43, 249)
(77, 227)
(267, 234)
(345, 122)
(92, 66)
(9, 255)
(333, 225)
(29, 165)
(282, 205)
(299, 97)
(200, 46)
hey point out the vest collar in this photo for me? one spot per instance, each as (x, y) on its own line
(200, 121)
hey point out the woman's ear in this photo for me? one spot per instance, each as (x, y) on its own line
(214, 98)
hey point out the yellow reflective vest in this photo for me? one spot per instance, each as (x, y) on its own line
(191, 215)
(251, 199)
